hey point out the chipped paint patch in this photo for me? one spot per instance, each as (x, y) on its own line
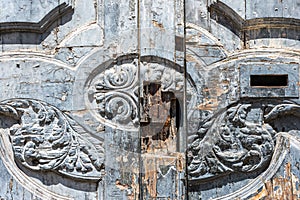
(158, 25)
(280, 187)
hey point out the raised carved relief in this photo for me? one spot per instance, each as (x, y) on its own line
(117, 77)
(143, 96)
(240, 138)
(45, 139)
(170, 79)
(113, 95)
(118, 107)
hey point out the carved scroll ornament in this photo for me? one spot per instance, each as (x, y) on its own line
(113, 98)
(240, 138)
(45, 139)
(114, 94)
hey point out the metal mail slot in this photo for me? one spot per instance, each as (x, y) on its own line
(269, 80)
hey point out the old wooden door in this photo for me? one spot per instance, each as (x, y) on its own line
(149, 99)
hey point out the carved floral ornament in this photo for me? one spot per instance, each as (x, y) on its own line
(240, 138)
(113, 95)
(43, 138)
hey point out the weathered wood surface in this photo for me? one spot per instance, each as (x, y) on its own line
(149, 99)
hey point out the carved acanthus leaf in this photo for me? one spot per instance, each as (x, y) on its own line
(170, 79)
(117, 77)
(117, 107)
(237, 139)
(43, 139)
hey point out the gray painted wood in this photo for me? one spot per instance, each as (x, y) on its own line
(149, 99)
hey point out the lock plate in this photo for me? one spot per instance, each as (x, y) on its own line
(269, 80)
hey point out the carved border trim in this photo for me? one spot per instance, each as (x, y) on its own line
(40, 27)
(266, 27)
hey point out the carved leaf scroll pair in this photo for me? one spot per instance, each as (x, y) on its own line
(240, 138)
(43, 138)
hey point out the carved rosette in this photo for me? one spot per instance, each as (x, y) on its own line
(117, 107)
(45, 139)
(117, 77)
(240, 138)
(113, 96)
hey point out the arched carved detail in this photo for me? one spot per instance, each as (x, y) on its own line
(113, 94)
